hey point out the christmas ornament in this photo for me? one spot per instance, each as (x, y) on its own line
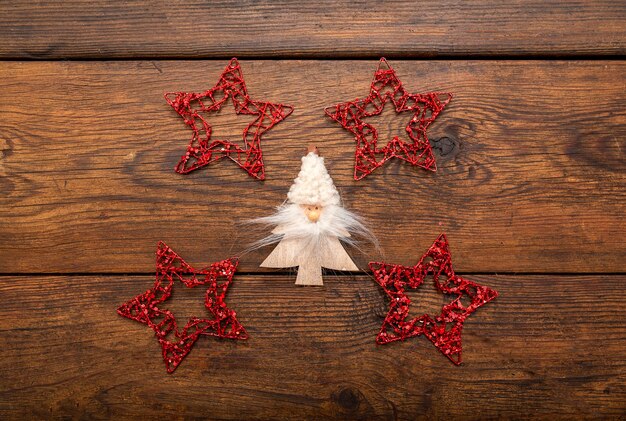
(387, 88)
(147, 308)
(444, 329)
(308, 227)
(203, 149)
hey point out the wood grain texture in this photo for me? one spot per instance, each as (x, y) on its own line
(546, 347)
(325, 28)
(530, 154)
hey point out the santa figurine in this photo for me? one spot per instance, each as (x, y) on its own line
(309, 226)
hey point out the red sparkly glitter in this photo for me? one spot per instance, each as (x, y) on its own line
(387, 87)
(202, 150)
(443, 330)
(145, 309)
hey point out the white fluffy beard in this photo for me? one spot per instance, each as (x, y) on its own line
(290, 222)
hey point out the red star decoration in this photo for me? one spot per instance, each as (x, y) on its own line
(202, 150)
(386, 87)
(145, 309)
(443, 330)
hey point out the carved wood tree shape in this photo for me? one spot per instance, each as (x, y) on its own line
(309, 226)
(288, 253)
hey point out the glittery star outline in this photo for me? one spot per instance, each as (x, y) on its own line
(202, 151)
(443, 330)
(387, 87)
(144, 308)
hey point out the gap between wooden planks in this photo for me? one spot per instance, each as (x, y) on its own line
(547, 345)
(325, 28)
(530, 154)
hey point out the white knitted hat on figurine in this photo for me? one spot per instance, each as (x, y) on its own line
(313, 186)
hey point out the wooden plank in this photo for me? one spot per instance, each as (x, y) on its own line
(547, 346)
(325, 28)
(530, 154)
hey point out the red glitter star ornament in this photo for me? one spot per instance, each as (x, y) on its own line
(203, 150)
(176, 344)
(386, 87)
(444, 329)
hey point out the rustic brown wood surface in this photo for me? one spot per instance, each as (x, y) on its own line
(548, 346)
(135, 28)
(530, 154)
(530, 188)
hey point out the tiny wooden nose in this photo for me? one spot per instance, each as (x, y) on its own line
(313, 215)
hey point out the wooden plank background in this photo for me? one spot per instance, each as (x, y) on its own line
(195, 28)
(534, 352)
(530, 189)
(531, 178)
